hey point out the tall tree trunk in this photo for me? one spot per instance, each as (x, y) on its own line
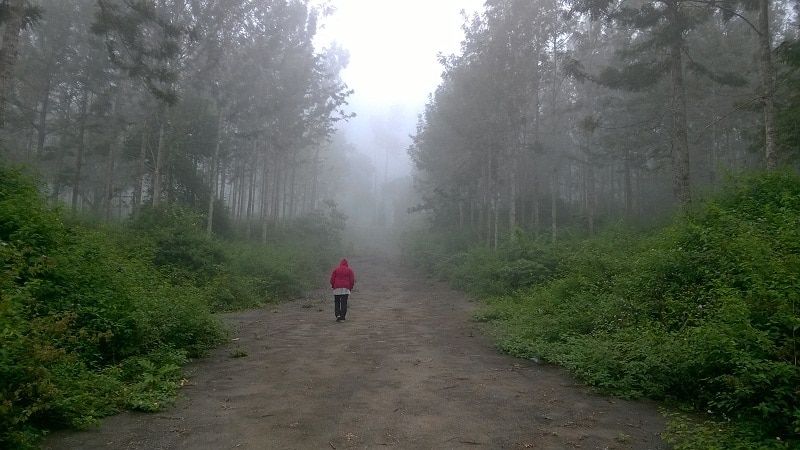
(160, 155)
(239, 190)
(292, 181)
(496, 219)
(680, 139)
(265, 201)
(554, 206)
(767, 83)
(76, 182)
(276, 183)
(118, 140)
(512, 201)
(315, 181)
(140, 169)
(251, 189)
(591, 196)
(212, 193)
(8, 53)
(628, 186)
(109, 184)
(42, 122)
(536, 209)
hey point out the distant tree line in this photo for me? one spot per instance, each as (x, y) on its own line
(571, 112)
(207, 103)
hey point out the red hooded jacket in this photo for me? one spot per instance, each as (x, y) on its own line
(343, 276)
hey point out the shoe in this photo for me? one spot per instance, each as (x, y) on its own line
(339, 319)
(342, 318)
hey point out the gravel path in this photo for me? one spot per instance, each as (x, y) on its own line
(408, 369)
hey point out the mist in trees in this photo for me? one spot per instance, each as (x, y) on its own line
(575, 113)
(552, 114)
(221, 106)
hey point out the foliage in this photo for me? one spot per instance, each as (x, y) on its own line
(235, 274)
(88, 326)
(98, 319)
(704, 313)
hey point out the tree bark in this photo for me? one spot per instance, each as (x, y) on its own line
(628, 186)
(76, 183)
(512, 201)
(42, 127)
(680, 139)
(160, 151)
(212, 193)
(554, 206)
(767, 83)
(265, 196)
(109, 185)
(118, 141)
(591, 196)
(292, 182)
(140, 169)
(9, 52)
(496, 220)
(536, 210)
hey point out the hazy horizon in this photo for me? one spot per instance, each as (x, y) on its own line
(393, 68)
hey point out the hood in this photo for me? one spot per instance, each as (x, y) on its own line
(343, 262)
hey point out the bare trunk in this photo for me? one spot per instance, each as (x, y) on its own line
(276, 195)
(512, 201)
(265, 202)
(628, 186)
(554, 206)
(109, 188)
(537, 213)
(251, 193)
(160, 151)
(680, 139)
(767, 84)
(76, 183)
(591, 196)
(42, 127)
(240, 194)
(496, 211)
(8, 53)
(292, 181)
(212, 194)
(140, 169)
(315, 181)
(118, 141)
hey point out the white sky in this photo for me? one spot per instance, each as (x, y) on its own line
(393, 46)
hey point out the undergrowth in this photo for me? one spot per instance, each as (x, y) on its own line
(703, 314)
(95, 319)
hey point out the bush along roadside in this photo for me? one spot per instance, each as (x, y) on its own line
(97, 319)
(703, 314)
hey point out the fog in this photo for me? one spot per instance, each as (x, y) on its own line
(259, 113)
(393, 67)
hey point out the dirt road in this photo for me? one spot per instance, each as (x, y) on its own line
(408, 369)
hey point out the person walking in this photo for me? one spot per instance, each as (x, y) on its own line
(342, 281)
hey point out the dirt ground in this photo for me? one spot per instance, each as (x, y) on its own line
(408, 369)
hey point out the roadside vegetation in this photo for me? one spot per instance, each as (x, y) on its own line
(98, 318)
(702, 314)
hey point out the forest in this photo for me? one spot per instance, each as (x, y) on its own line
(161, 162)
(562, 113)
(616, 181)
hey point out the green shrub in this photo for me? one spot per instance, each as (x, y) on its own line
(96, 318)
(77, 308)
(704, 312)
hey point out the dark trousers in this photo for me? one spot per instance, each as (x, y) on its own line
(340, 308)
